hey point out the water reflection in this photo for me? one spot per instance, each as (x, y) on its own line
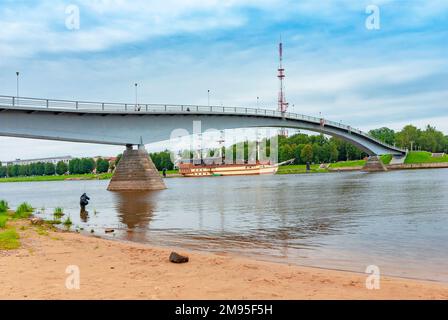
(397, 220)
(84, 215)
(135, 209)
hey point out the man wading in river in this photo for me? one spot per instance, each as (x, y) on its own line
(84, 201)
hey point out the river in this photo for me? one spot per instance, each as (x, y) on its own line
(397, 220)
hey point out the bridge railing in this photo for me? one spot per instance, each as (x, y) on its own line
(24, 102)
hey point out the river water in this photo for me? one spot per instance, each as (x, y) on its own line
(397, 221)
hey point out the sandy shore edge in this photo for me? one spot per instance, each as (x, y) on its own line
(112, 269)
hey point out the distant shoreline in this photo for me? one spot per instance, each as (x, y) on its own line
(346, 166)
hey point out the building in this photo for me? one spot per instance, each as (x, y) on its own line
(53, 160)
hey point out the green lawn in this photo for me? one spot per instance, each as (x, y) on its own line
(346, 164)
(423, 157)
(168, 172)
(300, 168)
(3, 220)
(102, 176)
(387, 158)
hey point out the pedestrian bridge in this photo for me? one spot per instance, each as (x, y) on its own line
(131, 124)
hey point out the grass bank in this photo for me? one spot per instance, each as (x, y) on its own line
(300, 168)
(415, 157)
(348, 164)
(103, 176)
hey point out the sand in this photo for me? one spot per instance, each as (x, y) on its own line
(120, 270)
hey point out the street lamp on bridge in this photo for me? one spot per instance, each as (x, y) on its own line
(136, 97)
(17, 74)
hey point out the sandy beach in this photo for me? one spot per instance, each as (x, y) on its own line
(118, 270)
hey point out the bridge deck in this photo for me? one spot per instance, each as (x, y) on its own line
(68, 106)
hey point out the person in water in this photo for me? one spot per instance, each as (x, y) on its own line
(84, 201)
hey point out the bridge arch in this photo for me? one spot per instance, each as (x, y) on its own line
(130, 124)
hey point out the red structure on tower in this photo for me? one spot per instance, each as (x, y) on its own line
(282, 104)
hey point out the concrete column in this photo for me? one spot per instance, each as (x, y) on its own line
(136, 172)
(374, 164)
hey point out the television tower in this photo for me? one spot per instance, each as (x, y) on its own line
(282, 104)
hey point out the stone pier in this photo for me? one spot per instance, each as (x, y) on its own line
(136, 172)
(374, 164)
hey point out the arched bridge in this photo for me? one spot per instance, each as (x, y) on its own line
(131, 124)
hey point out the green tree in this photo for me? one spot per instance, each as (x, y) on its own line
(432, 140)
(102, 165)
(3, 171)
(384, 134)
(87, 165)
(50, 169)
(24, 170)
(408, 137)
(13, 170)
(307, 153)
(286, 152)
(74, 166)
(40, 169)
(61, 168)
(162, 160)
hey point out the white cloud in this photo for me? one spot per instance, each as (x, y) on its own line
(357, 80)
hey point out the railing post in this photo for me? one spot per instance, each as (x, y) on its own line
(76, 105)
(48, 104)
(146, 108)
(165, 108)
(102, 106)
(13, 101)
(125, 107)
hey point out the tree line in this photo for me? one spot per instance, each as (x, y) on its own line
(301, 147)
(413, 138)
(322, 149)
(75, 166)
(319, 148)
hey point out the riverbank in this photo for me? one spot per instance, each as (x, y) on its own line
(121, 270)
(414, 160)
(73, 177)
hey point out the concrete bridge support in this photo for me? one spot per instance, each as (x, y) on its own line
(374, 164)
(136, 172)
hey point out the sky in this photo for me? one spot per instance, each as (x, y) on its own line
(336, 64)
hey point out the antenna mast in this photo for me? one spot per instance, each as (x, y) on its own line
(282, 104)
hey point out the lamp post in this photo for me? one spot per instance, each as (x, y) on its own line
(208, 97)
(17, 74)
(136, 96)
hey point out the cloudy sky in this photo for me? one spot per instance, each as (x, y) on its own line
(178, 49)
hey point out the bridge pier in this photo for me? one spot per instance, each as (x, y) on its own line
(136, 172)
(374, 164)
